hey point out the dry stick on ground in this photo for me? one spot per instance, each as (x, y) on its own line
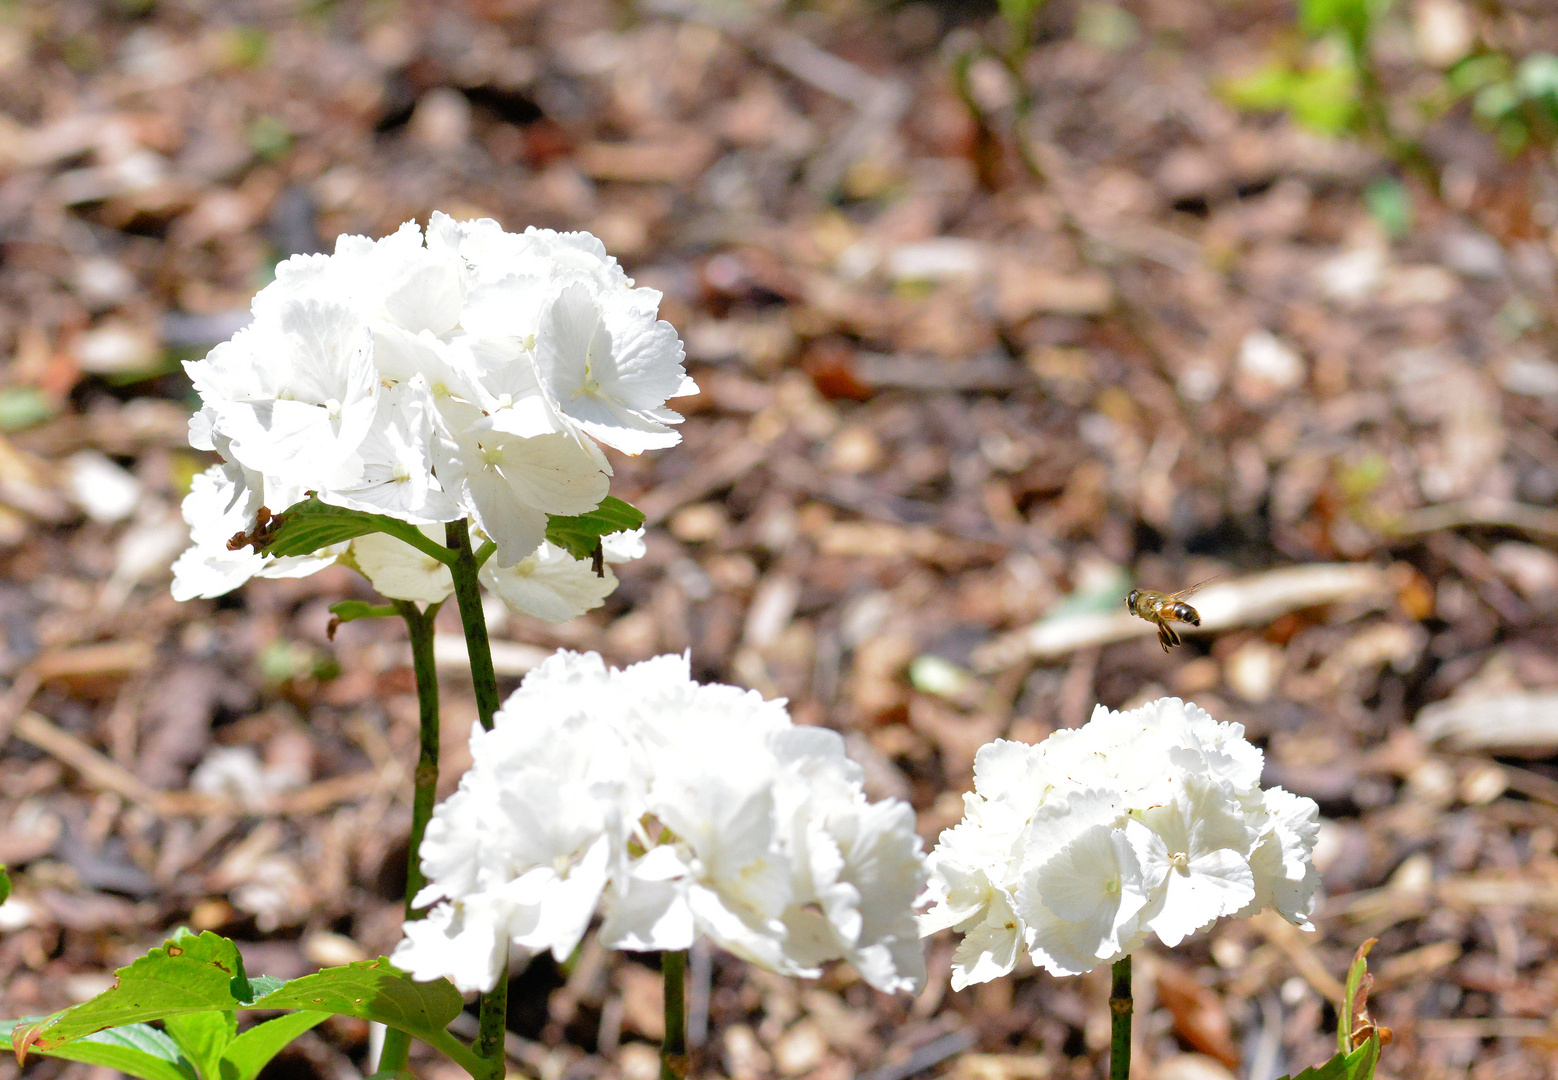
(879, 103)
(1489, 513)
(104, 775)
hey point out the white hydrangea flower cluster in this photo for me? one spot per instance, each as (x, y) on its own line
(1147, 821)
(467, 373)
(674, 810)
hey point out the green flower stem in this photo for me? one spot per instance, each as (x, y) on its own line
(395, 1055)
(467, 593)
(1120, 1020)
(673, 1047)
(462, 1056)
(419, 627)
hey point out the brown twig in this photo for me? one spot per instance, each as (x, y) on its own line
(104, 775)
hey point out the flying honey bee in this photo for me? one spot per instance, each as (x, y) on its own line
(1160, 609)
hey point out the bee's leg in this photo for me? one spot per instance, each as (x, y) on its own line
(1167, 637)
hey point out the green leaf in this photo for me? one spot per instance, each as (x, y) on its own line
(1358, 1065)
(1475, 72)
(344, 611)
(373, 990)
(265, 984)
(1264, 89)
(1355, 19)
(377, 990)
(193, 974)
(1354, 996)
(579, 535)
(5, 884)
(203, 1036)
(187, 974)
(250, 1052)
(1496, 100)
(137, 1049)
(305, 527)
(352, 610)
(1323, 99)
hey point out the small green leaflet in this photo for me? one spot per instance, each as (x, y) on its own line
(352, 610)
(1358, 1065)
(580, 535)
(344, 611)
(5, 884)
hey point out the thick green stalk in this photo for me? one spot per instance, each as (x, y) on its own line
(395, 1055)
(1120, 1020)
(419, 627)
(673, 1047)
(467, 593)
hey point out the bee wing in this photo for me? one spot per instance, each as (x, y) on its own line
(1183, 594)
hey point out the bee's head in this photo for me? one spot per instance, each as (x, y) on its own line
(1130, 601)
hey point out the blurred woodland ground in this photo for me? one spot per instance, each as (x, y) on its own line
(942, 398)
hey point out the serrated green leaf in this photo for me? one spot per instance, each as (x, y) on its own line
(377, 990)
(203, 1036)
(1358, 1065)
(250, 1052)
(189, 973)
(579, 535)
(137, 1049)
(372, 990)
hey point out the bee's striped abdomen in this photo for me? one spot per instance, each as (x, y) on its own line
(1185, 613)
